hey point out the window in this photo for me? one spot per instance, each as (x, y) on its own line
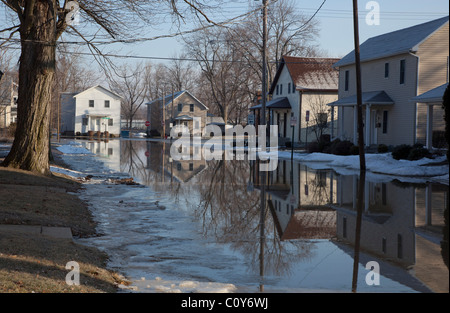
(180, 107)
(106, 103)
(347, 73)
(386, 70)
(402, 71)
(277, 90)
(91, 103)
(281, 89)
(289, 87)
(191, 167)
(191, 107)
(85, 121)
(385, 121)
(110, 122)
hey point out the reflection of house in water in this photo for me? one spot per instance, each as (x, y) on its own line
(106, 149)
(158, 160)
(400, 222)
(185, 170)
(299, 200)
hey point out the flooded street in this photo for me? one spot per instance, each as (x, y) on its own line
(195, 226)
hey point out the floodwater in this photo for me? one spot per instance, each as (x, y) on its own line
(196, 226)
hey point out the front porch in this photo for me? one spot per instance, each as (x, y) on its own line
(375, 106)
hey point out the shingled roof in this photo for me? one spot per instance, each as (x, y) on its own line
(394, 43)
(309, 73)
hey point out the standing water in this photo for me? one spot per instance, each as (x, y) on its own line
(194, 226)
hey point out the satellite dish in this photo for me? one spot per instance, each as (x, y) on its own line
(73, 16)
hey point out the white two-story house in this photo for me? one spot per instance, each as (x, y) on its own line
(300, 91)
(395, 68)
(94, 110)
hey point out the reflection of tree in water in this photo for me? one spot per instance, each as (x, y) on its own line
(228, 210)
(231, 213)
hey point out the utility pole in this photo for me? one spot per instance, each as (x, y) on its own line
(362, 158)
(262, 121)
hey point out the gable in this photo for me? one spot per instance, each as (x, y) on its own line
(308, 73)
(101, 89)
(394, 43)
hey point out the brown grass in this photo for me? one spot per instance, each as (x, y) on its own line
(30, 263)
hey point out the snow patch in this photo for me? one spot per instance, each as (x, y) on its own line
(73, 148)
(382, 163)
(159, 285)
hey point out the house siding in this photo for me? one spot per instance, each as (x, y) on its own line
(433, 72)
(301, 101)
(372, 79)
(99, 96)
(171, 111)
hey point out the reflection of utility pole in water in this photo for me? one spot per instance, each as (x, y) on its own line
(263, 122)
(359, 208)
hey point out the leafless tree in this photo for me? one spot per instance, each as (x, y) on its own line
(230, 58)
(319, 115)
(130, 83)
(40, 24)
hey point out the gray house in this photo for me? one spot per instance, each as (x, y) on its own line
(396, 68)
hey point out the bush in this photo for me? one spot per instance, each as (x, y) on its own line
(401, 152)
(331, 146)
(313, 147)
(342, 148)
(382, 148)
(418, 153)
(354, 150)
(438, 139)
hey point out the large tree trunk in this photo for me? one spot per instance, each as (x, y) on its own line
(30, 150)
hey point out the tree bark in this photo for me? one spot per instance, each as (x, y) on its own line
(30, 149)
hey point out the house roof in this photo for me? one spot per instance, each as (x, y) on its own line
(279, 103)
(394, 43)
(433, 95)
(115, 95)
(309, 73)
(370, 97)
(175, 95)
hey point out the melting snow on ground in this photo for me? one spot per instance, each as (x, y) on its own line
(188, 286)
(381, 163)
(73, 148)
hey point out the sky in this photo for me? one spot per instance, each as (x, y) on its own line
(335, 23)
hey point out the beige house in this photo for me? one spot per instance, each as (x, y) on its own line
(395, 68)
(181, 108)
(300, 92)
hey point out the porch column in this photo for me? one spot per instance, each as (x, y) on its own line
(355, 125)
(429, 126)
(332, 123)
(367, 126)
